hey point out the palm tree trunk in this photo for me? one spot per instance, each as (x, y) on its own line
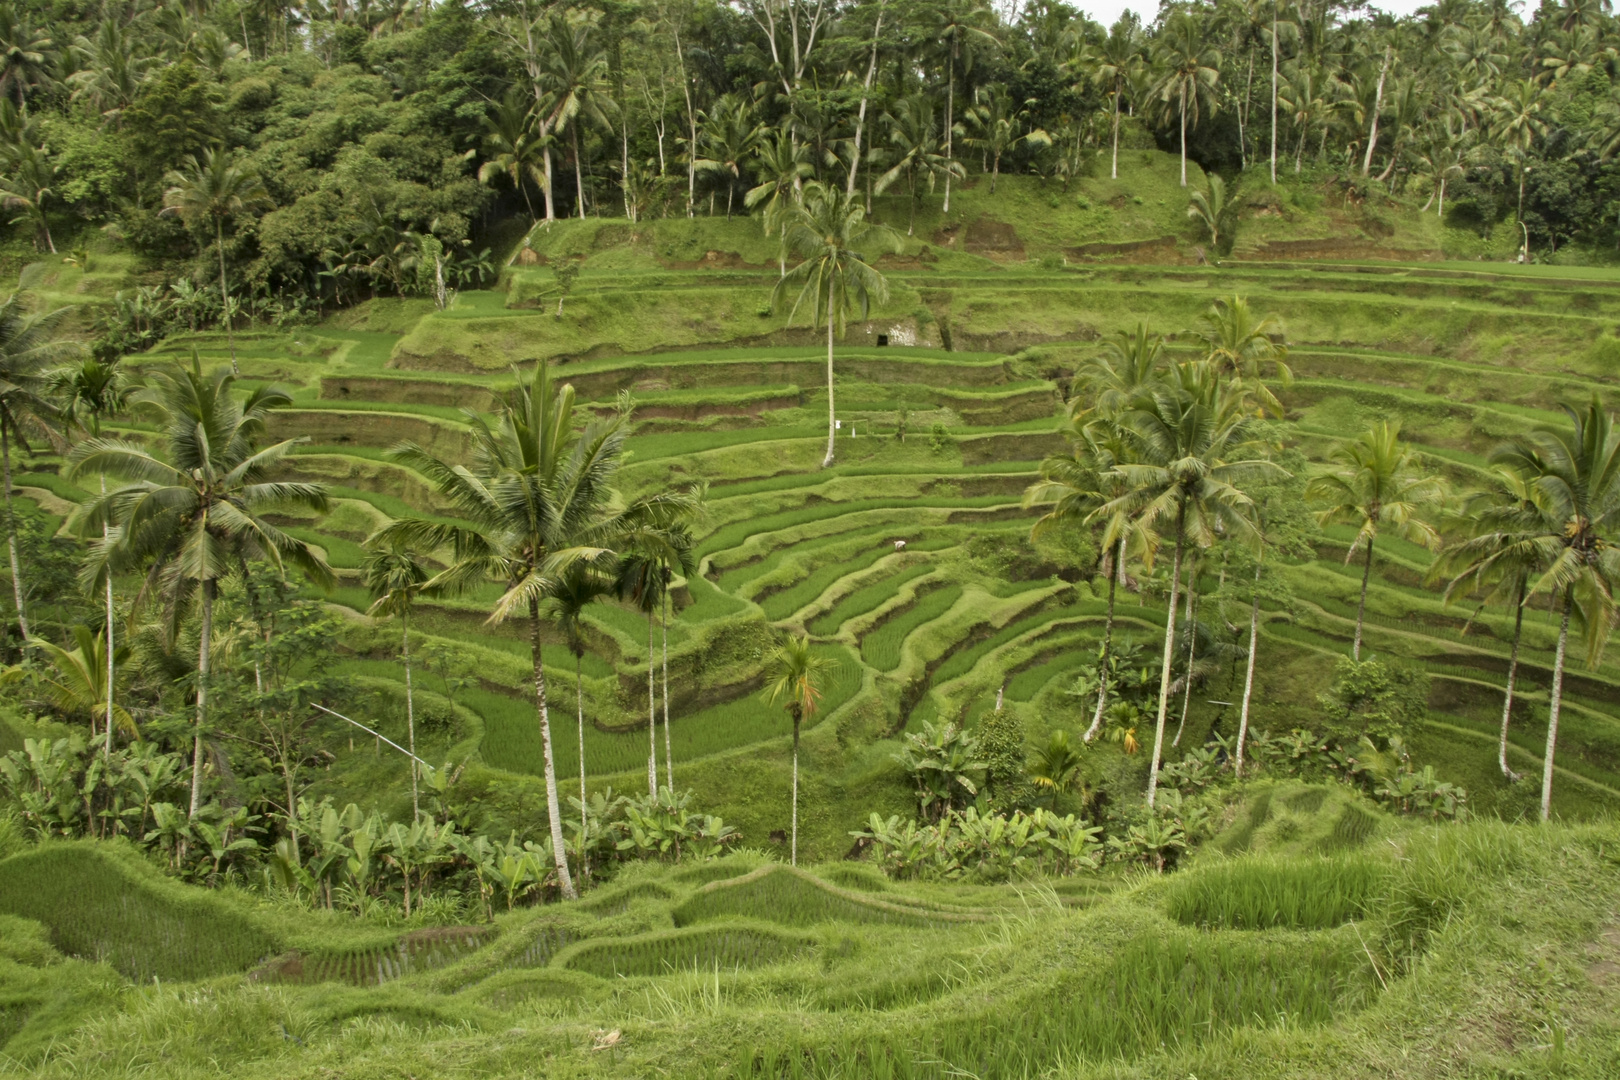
(107, 751)
(1113, 172)
(579, 175)
(1192, 645)
(1557, 700)
(203, 647)
(1274, 98)
(1248, 677)
(1378, 105)
(832, 426)
(554, 811)
(793, 843)
(579, 702)
(669, 753)
(866, 90)
(1361, 608)
(224, 293)
(546, 188)
(652, 716)
(1442, 209)
(950, 115)
(11, 524)
(1164, 674)
(1512, 674)
(410, 710)
(1183, 134)
(1108, 647)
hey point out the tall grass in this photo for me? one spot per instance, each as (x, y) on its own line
(1160, 990)
(100, 903)
(727, 947)
(1263, 892)
(782, 894)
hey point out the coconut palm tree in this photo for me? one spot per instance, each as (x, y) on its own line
(835, 279)
(731, 136)
(914, 138)
(1496, 553)
(1241, 346)
(998, 127)
(1378, 486)
(536, 503)
(1573, 476)
(793, 677)
(30, 180)
(1189, 71)
(90, 391)
(78, 684)
(207, 192)
(1106, 383)
(574, 75)
(197, 517)
(1112, 66)
(1214, 210)
(1189, 444)
(781, 165)
(1074, 485)
(394, 575)
(30, 342)
(24, 56)
(514, 147)
(959, 29)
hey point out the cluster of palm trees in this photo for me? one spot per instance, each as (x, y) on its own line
(647, 109)
(1168, 451)
(537, 512)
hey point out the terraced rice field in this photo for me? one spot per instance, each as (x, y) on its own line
(1462, 355)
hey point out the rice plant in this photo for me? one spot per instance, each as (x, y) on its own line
(101, 905)
(1260, 893)
(864, 599)
(726, 947)
(782, 894)
(881, 646)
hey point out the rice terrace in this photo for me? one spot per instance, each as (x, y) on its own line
(809, 539)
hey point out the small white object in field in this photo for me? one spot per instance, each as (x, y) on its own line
(899, 545)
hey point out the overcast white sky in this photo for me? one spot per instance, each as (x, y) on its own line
(1106, 11)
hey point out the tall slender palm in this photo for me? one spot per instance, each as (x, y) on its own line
(1186, 438)
(1573, 475)
(513, 146)
(1496, 554)
(1378, 486)
(781, 165)
(1074, 485)
(90, 391)
(394, 575)
(197, 518)
(644, 579)
(917, 152)
(794, 675)
(1189, 71)
(731, 136)
(835, 279)
(641, 583)
(1242, 346)
(30, 342)
(959, 29)
(574, 72)
(1112, 66)
(537, 502)
(207, 192)
(566, 605)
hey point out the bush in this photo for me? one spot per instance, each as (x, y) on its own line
(1375, 700)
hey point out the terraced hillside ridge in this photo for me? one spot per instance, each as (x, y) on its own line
(936, 448)
(743, 967)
